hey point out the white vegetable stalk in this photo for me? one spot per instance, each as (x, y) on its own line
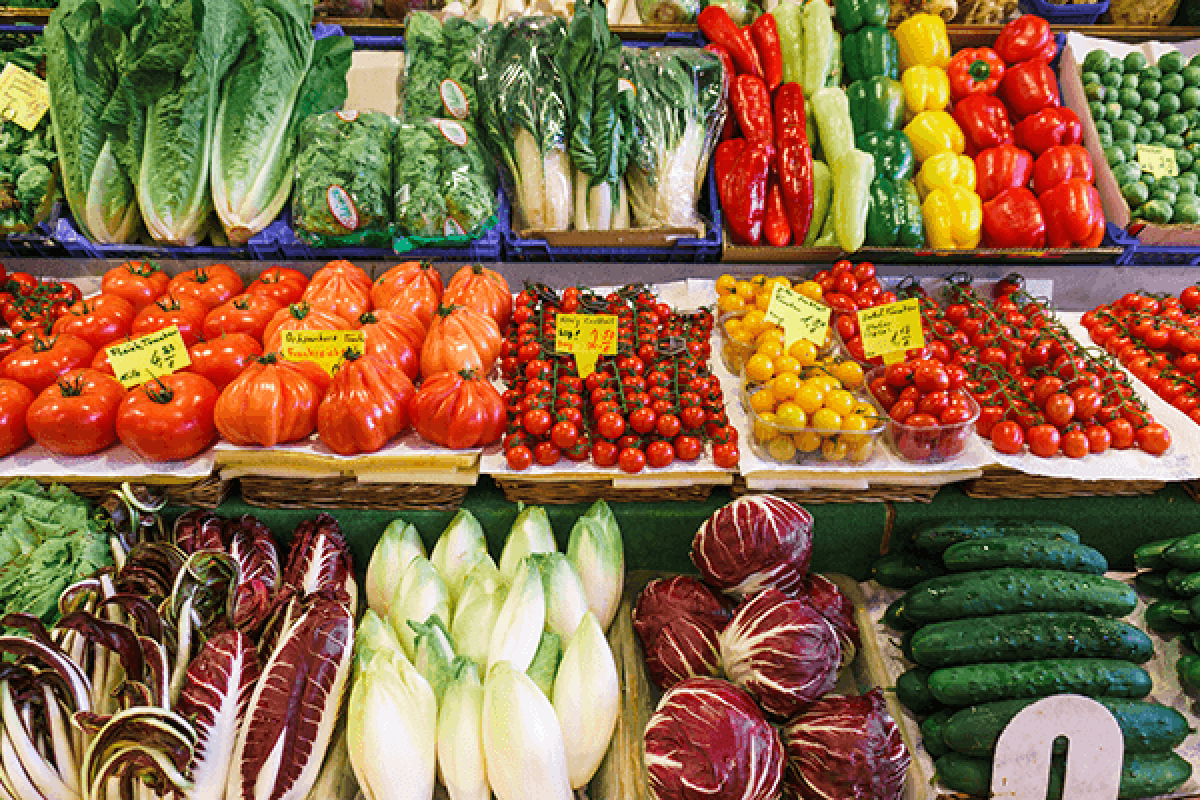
(421, 594)
(458, 548)
(557, 174)
(435, 654)
(582, 220)
(392, 731)
(587, 699)
(475, 616)
(522, 745)
(398, 546)
(521, 620)
(566, 599)
(19, 751)
(375, 636)
(621, 212)
(460, 760)
(614, 10)
(597, 552)
(630, 15)
(530, 533)
(529, 178)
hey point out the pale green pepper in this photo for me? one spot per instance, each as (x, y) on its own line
(789, 21)
(835, 64)
(832, 109)
(818, 46)
(828, 237)
(814, 133)
(852, 176)
(822, 199)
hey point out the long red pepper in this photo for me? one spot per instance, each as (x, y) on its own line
(776, 228)
(752, 104)
(765, 36)
(724, 159)
(730, 73)
(794, 160)
(716, 24)
(747, 188)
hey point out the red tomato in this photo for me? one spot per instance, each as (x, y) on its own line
(169, 418)
(1044, 440)
(1121, 429)
(99, 321)
(1154, 438)
(659, 454)
(921, 420)
(15, 399)
(284, 285)
(726, 455)
(77, 415)
(40, 362)
(519, 457)
(1075, 444)
(631, 459)
(1098, 438)
(460, 410)
(1060, 409)
(247, 313)
(688, 448)
(223, 358)
(139, 283)
(604, 454)
(1190, 297)
(211, 285)
(930, 376)
(1007, 437)
(183, 311)
(989, 417)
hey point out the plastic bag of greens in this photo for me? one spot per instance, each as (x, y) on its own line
(439, 71)
(344, 179)
(669, 12)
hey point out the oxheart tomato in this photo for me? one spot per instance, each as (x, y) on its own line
(183, 311)
(458, 410)
(41, 361)
(301, 317)
(366, 406)
(395, 336)
(99, 321)
(270, 403)
(15, 399)
(460, 338)
(340, 287)
(212, 285)
(246, 313)
(482, 289)
(77, 415)
(139, 283)
(414, 286)
(284, 285)
(169, 418)
(222, 359)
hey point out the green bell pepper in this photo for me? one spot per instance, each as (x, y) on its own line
(853, 14)
(876, 104)
(892, 151)
(870, 52)
(894, 214)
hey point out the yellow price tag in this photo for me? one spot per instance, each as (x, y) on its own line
(148, 357)
(327, 349)
(24, 97)
(587, 337)
(891, 329)
(799, 316)
(1158, 161)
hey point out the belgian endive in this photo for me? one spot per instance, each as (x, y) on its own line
(475, 615)
(530, 533)
(399, 545)
(421, 594)
(566, 599)
(435, 653)
(392, 731)
(460, 735)
(587, 699)
(597, 552)
(522, 744)
(375, 635)
(458, 548)
(519, 624)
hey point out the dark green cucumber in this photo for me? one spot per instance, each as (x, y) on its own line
(1153, 554)
(905, 570)
(1008, 591)
(1184, 553)
(1193, 639)
(932, 728)
(1153, 584)
(906, 645)
(934, 540)
(971, 684)
(1033, 636)
(1024, 551)
(1147, 727)
(1188, 668)
(1142, 775)
(1184, 582)
(1193, 605)
(912, 689)
(1169, 616)
(894, 616)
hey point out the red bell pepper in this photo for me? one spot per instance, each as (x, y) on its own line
(975, 70)
(1074, 216)
(794, 158)
(1029, 87)
(765, 36)
(776, 228)
(1060, 164)
(730, 73)
(1024, 38)
(716, 24)
(984, 122)
(1000, 168)
(752, 105)
(724, 159)
(747, 189)
(1048, 128)
(1013, 219)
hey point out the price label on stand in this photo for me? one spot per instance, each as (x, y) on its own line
(327, 349)
(587, 337)
(148, 357)
(889, 330)
(799, 316)
(24, 98)
(1158, 161)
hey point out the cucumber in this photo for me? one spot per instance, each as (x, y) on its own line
(1142, 774)
(985, 683)
(1188, 669)
(1194, 607)
(894, 617)
(1147, 727)
(1037, 635)
(1169, 616)
(1193, 639)
(935, 539)
(1153, 584)
(1153, 554)
(912, 689)
(1024, 551)
(932, 733)
(1184, 553)
(1007, 591)
(1183, 582)
(904, 570)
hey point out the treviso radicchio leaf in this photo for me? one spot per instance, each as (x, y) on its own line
(846, 748)
(755, 542)
(253, 548)
(781, 651)
(678, 620)
(709, 741)
(320, 558)
(199, 530)
(826, 597)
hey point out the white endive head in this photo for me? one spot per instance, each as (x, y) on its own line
(457, 550)
(521, 619)
(375, 635)
(597, 552)
(475, 615)
(522, 744)
(566, 600)
(435, 653)
(545, 662)
(421, 594)
(460, 735)
(530, 533)
(587, 699)
(398, 545)
(393, 711)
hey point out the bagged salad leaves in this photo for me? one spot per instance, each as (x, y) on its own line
(445, 184)
(344, 179)
(27, 158)
(439, 70)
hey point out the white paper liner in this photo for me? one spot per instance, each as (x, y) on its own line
(115, 463)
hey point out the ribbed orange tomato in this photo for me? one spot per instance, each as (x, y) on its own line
(270, 403)
(459, 410)
(301, 317)
(366, 405)
(460, 338)
(414, 286)
(340, 287)
(396, 336)
(482, 289)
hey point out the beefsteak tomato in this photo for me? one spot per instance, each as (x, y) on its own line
(396, 336)
(15, 399)
(482, 289)
(284, 285)
(99, 321)
(340, 287)
(270, 403)
(40, 362)
(211, 285)
(169, 418)
(301, 316)
(224, 357)
(458, 410)
(181, 310)
(140, 283)
(77, 415)
(414, 286)
(460, 338)
(247, 313)
(366, 405)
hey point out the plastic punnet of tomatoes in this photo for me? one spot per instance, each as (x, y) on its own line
(743, 334)
(932, 424)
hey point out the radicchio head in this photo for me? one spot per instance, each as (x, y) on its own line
(826, 597)
(319, 558)
(755, 542)
(846, 748)
(708, 741)
(782, 651)
(678, 620)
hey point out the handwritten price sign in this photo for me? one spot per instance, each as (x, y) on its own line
(891, 329)
(24, 97)
(327, 349)
(587, 337)
(1158, 161)
(799, 316)
(149, 357)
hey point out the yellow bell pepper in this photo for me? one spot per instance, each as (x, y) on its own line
(953, 218)
(923, 41)
(933, 132)
(925, 89)
(945, 170)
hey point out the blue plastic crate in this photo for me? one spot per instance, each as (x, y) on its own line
(1138, 254)
(78, 245)
(1066, 14)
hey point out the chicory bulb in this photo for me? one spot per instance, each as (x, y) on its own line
(530, 533)
(781, 651)
(392, 710)
(544, 666)
(522, 743)
(753, 543)
(460, 735)
(566, 600)
(678, 621)
(708, 739)
(597, 552)
(846, 747)
(587, 699)
(374, 636)
(475, 615)
(421, 593)
(399, 545)
(519, 625)
(458, 548)
(435, 653)
(827, 598)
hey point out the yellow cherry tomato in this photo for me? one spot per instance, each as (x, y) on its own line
(834, 450)
(807, 442)
(729, 303)
(755, 321)
(860, 451)
(734, 326)
(810, 397)
(826, 419)
(867, 411)
(764, 427)
(725, 284)
(854, 429)
(785, 384)
(781, 448)
(850, 373)
(770, 348)
(771, 333)
(762, 300)
(789, 414)
(787, 363)
(840, 401)
(812, 290)
(759, 367)
(803, 351)
(745, 289)
(763, 401)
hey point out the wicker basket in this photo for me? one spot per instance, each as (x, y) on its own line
(872, 494)
(1143, 13)
(1001, 482)
(347, 492)
(207, 492)
(517, 490)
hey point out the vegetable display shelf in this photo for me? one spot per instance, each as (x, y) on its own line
(1068, 14)
(78, 245)
(1139, 254)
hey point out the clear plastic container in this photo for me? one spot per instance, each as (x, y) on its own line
(929, 445)
(783, 444)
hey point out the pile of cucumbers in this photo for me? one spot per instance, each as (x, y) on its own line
(1134, 102)
(1169, 570)
(999, 614)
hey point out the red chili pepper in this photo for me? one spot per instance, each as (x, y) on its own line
(1028, 36)
(1074, 215)
(716, 24)
(975, 70)
(747, 187)
(1028, 87)
(730, 73)
(752, 105)
(1013, 218)
(1048, 128)
(794, 161)
(984, 122)
(776, 228)
(1059, 165)
(765, 36)
(724, 159)
(1000, 168)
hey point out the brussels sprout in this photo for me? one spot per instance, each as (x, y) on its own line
(1096, 61)
(1191, 76)
(1176, 123)
(1134, 62)
(1114, 155)
(1135, 193)
(1170, 62)
(1168, 104)
(1151, 89)
(1157, 211)
(1172, 83)
(1173, 141)
(1123, 129)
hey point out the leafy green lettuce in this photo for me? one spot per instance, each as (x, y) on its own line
(439, 68)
